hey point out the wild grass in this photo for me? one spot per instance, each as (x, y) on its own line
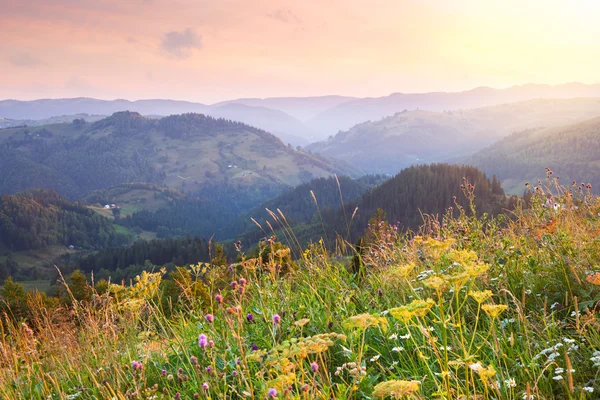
(468, 308)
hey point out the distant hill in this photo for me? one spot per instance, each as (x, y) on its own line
(350, 113)
(7, 123)
(40, 218)
(572, 152)
(287, 128)
(301, 108)
(414, 137)
(268, 114)
(185, 152)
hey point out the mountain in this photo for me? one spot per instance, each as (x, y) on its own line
(287, 128)
(572, 152)
(7, 123)
(47, 108)
(301, 108)
(350, 113)
(186, 152)
(281, 116)
(413, 137)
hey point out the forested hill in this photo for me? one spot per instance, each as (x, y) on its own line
(185, 152)
(572, 152)
(415, 191)
(40, 218)
(300, 207)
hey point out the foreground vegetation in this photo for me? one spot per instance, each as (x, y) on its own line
(469, 307)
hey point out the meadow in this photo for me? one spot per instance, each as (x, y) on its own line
(466, 307)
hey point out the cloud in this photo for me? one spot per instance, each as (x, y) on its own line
(285, 15)
(179, 44)
(25, 60)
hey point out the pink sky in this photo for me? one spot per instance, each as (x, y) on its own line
(211, 50)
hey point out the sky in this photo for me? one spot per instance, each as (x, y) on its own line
(213, 50)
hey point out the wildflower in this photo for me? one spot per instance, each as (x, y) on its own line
(254, 347)
(219, 299)
(559, 370)
(250, 317)
(375, 358)
(380, 292)
(481, 296)
(475, 366)
(557, 378)
(407, 336)
(594, 279)
(202, 341)
(210, 318)
(554, 305)
(234, 284)
(177, 396)
(272, 393)
(211, 343)
(416, 308)
(234, 373)
(436, 283)
(276, 319)
(393, 336)
(398, 349)
(242, 281)
(136, 365)
(205, 386)
(493, 310)
(588, 389)
(364, 321)
(194, 360)
(302, 322)
(163, 372)
(510, 383)
(314, 367)
(396, 388)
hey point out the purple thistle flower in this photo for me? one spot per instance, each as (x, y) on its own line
(272, 393)
(234, 284)
(276, 319)
(219, 299)
(177, 396)
(205, 386)
(380, 292)
(202, 341)
(211, 343)
(250, 317)
(210, 318)
(243, 281)
(314, 366)
(234, 373)
(254, 347)
(136, 365)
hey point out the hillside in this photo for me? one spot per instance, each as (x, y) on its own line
(348, 114)
(284, 117)
(185, 152)
(484, 309)
(414, 137)
(572, 152)
(403, 200)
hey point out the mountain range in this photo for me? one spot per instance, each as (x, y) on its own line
(416, 137)
(298, 120)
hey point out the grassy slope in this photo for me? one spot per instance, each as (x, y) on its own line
(475, 310)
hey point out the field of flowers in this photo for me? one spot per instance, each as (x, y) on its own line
(467, 308)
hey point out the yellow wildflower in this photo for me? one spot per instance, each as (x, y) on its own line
(481, 296)
(416, 308)
(436, 283)
(493, 310)
(395, 389)
(364, 321)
